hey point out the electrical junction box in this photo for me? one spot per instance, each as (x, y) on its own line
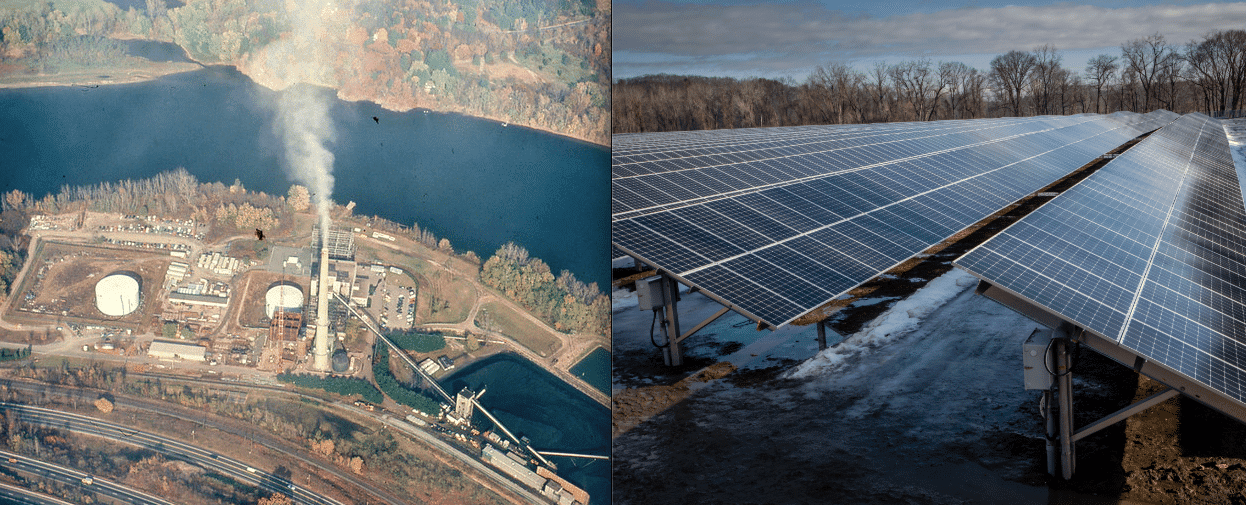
(1036, 360)
(649, 293)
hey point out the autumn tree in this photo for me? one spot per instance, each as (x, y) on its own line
(298, 198)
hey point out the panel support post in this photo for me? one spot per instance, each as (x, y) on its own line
(670, 353)
(1064, 381)
(1049, 414)
(822, 335)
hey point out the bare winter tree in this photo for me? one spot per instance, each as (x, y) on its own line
(955, 76)
(1147, 58)
(915, 84)
(1011, 73)
(1217, 65)
(1046, 71)
(881, 92)
(1101, 70)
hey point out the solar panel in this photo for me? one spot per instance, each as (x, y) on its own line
(778, 221)
(1149, 252)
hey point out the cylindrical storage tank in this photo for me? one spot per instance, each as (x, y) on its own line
(341, 361)
(284, 295)
(117, 294)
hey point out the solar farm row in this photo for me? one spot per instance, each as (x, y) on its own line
(779, 221)
(1148, 252)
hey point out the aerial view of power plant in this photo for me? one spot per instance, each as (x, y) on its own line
(928, 253)
(321, 252)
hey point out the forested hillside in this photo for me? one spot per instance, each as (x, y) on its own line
(1150, 73)
(539, 63)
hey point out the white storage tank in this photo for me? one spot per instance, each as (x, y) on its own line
(285, 295)
(118, 293)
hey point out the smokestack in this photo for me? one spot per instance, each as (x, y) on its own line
(321, 345)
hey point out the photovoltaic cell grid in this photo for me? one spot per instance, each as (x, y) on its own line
(1150, 252)
(780, 221)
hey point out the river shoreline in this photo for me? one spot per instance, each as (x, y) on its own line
(152, 70)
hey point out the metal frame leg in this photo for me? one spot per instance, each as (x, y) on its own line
(671, 354)
(1064, 382)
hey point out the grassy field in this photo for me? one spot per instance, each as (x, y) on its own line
(521, 329)
(460, 296)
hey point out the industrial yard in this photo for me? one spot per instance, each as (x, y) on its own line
(180, 299)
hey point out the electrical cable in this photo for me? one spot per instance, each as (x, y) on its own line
(1077, 349)
(651, 326)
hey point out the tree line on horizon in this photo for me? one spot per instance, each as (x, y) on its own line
(1150, 73)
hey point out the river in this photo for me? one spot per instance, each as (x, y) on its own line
(473, 181)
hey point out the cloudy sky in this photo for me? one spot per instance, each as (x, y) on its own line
(743, 38)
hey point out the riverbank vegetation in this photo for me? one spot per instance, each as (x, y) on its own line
(538, 63)
(563, 302)
(1150, 73)
(395, 390)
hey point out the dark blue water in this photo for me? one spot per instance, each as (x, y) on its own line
(555, 416)
(469, 180)
(595, 369)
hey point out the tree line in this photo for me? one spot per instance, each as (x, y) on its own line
(563, 302)
(1149, 73)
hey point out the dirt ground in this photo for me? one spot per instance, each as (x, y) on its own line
(934, 415)
(67, 291)
(257, 283)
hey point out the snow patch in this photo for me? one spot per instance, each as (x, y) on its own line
(901, 319)
(622, 299)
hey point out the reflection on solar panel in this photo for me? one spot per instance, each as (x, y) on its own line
(778, 221)
(1149, 252)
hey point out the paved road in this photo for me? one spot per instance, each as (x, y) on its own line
(13, 494)
(72, 477)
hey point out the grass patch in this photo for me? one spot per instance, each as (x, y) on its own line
(450, 304)
(502, 319)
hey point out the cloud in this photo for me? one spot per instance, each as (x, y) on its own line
(772, 37)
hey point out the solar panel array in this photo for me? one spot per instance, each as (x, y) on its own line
(1150, 252)
(778, 221)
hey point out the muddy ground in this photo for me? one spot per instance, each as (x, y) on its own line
(935, 416)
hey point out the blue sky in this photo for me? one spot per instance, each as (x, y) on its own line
(744, 38)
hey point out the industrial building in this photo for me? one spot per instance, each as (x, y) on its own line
(177, 272)
(118, 293)
(165, 349)
(511, 467)
(339, 242)
(198, 299)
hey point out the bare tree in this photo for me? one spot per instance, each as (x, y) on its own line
(1046, 70)
(955, 75)
(1217, 65)
(914, 82)
(1146, 59)
(1011, 72)
(880, 92)
(1100, 70)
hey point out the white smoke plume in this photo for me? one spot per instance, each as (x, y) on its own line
(298, 64)
(304, 123)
